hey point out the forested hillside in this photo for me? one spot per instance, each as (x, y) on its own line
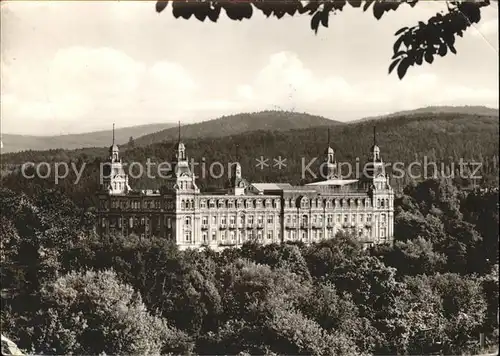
(238, 124)
(16, 143)
(443, 139)
(437, 110)
(66, 291)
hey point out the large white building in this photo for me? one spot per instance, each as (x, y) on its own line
(263, 212)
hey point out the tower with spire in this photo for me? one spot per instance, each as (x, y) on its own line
(381, 193)
(237, 184)
(114, 179)
(331, 163)
(375, 170)
(181, 178)
(182, 191)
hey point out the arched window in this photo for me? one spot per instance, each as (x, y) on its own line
(187, 221)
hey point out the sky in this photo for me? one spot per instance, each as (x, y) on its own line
(70, 67)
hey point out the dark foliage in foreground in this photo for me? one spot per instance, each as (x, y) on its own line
(66, 291)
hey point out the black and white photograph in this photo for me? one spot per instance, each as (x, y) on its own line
(249, 177)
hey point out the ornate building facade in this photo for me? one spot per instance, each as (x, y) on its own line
(263, 212)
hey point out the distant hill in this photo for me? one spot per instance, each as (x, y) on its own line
(16, 143)
(238, 124)
(465, 110)
(445, 138)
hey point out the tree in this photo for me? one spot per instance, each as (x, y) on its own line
(131, 143)
(417, 43)
(415, 257)
(93, 313)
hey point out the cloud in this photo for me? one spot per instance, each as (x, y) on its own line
(92, 84)
(286, 83)
(93, 74)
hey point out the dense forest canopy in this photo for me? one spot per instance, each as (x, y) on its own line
(415, 43)
(66, 291)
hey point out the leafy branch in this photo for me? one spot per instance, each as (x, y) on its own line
(414, 45)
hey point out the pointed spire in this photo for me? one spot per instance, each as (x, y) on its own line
(328, 137)
(113, 133)
(179, 131)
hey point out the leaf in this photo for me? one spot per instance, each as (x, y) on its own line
(311, 6)
(367, 4)
(400, 31)
(419, 57)
(161, 5)
(393, 65)
(324, 18)
(442, 50)
(279, 13)
(403, 67)
(398, 54)
(471, 11)
(378, 10)
(315, 21)
(429, 57)
(201, 12)
(397, 44)
(182, 9)
(214, 13)
(337, 5)
(452, 49)
(354, 3)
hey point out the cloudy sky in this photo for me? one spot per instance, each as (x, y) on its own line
(71, 67)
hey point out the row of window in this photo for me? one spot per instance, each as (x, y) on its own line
(131, 204)
(318, 234)
(305, 203)
(249, 220)
(223, 220)
(131, 222)
(187, 204)
(231, 203)
(346, 218)
(118, 186)
(230, 236)
(240, 237)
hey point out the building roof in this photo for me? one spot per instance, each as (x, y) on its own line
(299, 188)
(334, 182)
(271, 186)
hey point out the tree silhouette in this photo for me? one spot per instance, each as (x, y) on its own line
(413, 45)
